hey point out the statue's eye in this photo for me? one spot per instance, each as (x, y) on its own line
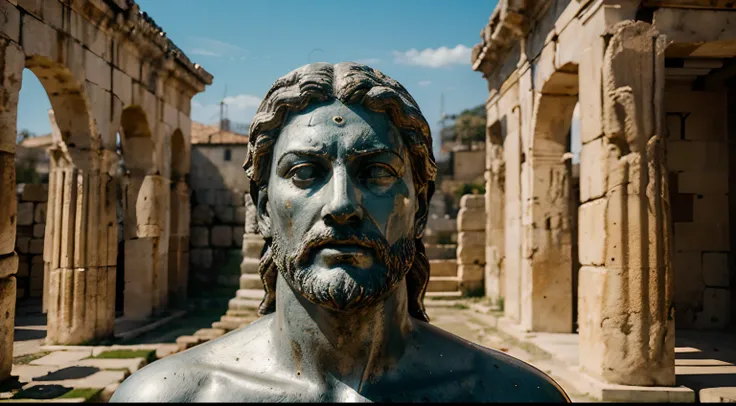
(379, 174)
(303, 174)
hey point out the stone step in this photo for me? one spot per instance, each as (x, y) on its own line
(440, 251)
(209, 332)
(237, 320)
(443, 295)
(238, 304)
(228, 326)
(230, 323)
(251, 281)
(443, 284)
(187, 342)
(242, 313)
(256, 294)
(443, 267)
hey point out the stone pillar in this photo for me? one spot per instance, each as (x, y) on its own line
(626, 322)
(471, 224)
(179, 243)
(146, 274)
(251, 289)
(82, 250)
(11, 69)
(495, 200)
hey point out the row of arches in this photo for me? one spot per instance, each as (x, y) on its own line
(115, 241)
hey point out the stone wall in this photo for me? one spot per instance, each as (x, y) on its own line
(218, 215)
(698, 164)
(30, 229)
(471, 236)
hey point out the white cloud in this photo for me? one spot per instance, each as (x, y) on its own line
(369, 61)
(434, 58)
(240, 109)
(211, 47)
(425, 83)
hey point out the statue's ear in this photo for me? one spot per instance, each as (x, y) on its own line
(420, 218)
(263, 214)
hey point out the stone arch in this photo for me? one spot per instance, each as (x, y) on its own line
(137, 142)
(546, 303)
(144, 206)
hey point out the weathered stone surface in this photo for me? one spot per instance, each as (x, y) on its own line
(35, 193)
(35, 246)
(591, 222)
(39, 215)
(39, 230)
(130, 364)
(715, 269)
(471, 238)
(201, 258)
(473, 202)
(7, 319)
(471, 220)
(222, 236)
(25, 214)
(62, 357)
(224, 214)
(593, 170)
(9, 265)
(199, 237)
(240, 215)
(443, 267)
(8, 206)
(471, 255)
(202, 215)
(99, 379)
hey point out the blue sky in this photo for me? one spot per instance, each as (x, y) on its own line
(247, 44)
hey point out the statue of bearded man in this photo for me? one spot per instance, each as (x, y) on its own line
(341, 169)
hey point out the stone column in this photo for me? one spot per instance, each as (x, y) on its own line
(471, 224)
(146, 279)
(11, 69)
(82, 250)
(626, 321)
(179, 243)
(495, 200)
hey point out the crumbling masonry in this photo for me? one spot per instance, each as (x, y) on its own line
(106, 67)
(652, 84)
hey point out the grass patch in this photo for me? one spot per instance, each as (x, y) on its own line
(26, 359)
(148, 355)
(460, 306)
(86, 393)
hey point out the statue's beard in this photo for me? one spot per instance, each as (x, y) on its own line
(344, 288)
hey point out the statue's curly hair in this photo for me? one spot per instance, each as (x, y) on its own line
(349, 83)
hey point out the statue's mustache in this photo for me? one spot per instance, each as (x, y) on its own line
(316, 239)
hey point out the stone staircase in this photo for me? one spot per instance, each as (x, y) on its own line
(243, 308)
(444, 281)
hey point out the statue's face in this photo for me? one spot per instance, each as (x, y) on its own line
(341, 205)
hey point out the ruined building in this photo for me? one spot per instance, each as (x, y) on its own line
(218, 187)
(112, 230)
(645, 249)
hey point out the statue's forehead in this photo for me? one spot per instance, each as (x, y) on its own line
(353, 126)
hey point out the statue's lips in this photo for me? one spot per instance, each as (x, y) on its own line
(342, 249)
(347, 252)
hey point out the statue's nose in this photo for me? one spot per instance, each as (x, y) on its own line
(344, 206)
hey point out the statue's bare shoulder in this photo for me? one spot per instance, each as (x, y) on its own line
(240, 366)
(236, 360)
(486, 374)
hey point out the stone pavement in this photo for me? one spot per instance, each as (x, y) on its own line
(77, 373)
(92, 373)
